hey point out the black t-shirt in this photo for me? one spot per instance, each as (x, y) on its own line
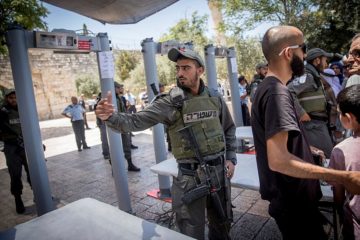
(273, 111)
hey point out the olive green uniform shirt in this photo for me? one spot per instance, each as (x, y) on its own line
(162, 110)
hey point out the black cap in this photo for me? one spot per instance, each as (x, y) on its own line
(317, 52)
(175, 53)
(9, 92)
(161, 85)
(261, 65)
(118, 85)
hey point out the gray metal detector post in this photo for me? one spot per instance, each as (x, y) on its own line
(234, 86)
(210, 53)
(18, 41)
(115, 142)
(148, 50)
(210, 69)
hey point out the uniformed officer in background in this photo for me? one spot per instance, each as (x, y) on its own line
(261, 71)
(125, 137)
(311, 101)
(214, 131)
(11, 135)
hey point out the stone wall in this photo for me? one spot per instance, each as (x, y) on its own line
(53, 78)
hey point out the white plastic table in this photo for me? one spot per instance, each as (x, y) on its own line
(244, 133)
(89, 219)
(245, 176)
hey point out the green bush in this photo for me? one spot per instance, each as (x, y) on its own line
(87, 85)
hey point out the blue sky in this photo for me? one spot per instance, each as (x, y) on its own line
(130, 36)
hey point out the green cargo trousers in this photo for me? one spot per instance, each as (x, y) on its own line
(190, 218)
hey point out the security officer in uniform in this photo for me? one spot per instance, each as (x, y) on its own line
(261, 71)
(11, 134)
(125, 137)
(311, 100)
(190, 103)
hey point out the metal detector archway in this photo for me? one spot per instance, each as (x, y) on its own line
(19, 41)
(211, 53)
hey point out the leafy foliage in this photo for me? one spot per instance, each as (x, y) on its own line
(326, 24)
(27, 13)
(126, 61)
(87, 85)
(340, 22)
(192, 29)
(165, 71)
(248, 54)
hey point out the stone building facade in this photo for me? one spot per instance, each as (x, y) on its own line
(53, 78)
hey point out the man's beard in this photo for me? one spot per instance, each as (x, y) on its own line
(182, 86)
(297, 66)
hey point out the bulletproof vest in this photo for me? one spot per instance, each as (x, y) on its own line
(313, 101)
(120, 104)
(12, 126)
(202, 112)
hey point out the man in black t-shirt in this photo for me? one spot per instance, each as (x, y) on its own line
(285, 164)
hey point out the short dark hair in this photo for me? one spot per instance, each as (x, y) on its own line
(241, 77)
(349, 101)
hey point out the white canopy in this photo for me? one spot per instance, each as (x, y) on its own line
(113, 11)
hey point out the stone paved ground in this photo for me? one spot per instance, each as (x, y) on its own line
(74, 175)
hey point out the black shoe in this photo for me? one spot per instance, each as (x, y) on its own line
(87, 147)
(20, 208)
(133, 168)
(79, 150)
(107, 157)
(134, 147)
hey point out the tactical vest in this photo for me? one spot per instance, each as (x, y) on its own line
(202, 112)
(313, 101)
(13, 126)
(120, 104)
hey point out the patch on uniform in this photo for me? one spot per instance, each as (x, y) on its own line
(302, 79)
(299, 80)
(14, 121)
(199, 116)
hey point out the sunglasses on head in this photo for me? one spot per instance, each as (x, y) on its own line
(302, 46)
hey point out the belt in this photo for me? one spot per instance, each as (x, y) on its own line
(324, 119)
(194, 166)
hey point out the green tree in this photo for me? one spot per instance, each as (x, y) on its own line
(126, 61)
(215, 7)
(87, 85)
(247, 14)
(27, 13)
(165, 72)
(248, 54)
(187, 30)
(339, 23)
(326, 24)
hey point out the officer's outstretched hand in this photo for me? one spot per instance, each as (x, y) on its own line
(105, 108)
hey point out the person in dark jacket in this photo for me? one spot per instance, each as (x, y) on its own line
(11, 134)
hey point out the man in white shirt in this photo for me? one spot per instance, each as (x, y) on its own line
(130, 102)
(76, 113)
